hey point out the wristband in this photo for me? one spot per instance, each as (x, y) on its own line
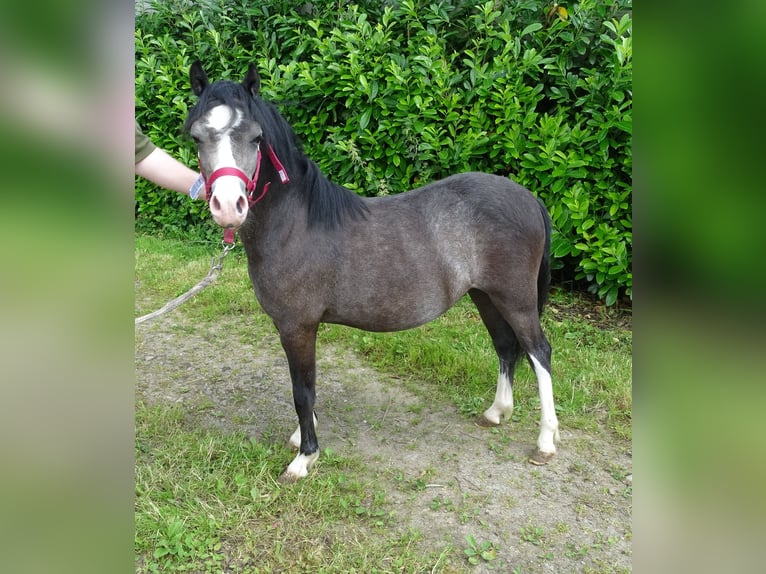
(197, 187)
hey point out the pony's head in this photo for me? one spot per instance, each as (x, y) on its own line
(228, 139)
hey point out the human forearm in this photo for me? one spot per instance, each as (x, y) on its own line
(166, 171)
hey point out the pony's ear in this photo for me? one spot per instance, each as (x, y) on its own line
(252, 81)
(198, 78)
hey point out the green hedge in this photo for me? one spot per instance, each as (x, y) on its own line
(389, 95)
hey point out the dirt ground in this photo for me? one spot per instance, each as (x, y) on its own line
(444, 476)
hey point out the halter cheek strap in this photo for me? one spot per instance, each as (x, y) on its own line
(281, 171)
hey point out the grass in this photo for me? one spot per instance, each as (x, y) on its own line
(196, 511)
(206, 501)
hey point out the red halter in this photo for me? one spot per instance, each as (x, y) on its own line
(228, 234)
(249, 183)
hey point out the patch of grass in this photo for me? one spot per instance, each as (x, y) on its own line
(172, 267)
(533, 534)
(479, 552)
(468, 509)
(210, 502)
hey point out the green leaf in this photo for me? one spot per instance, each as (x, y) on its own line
(364, 120)
(616, 270)
(625, 125)
(534, 27)
(489, 555)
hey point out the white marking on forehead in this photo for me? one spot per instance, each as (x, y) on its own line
(219, 117)
(228, 188)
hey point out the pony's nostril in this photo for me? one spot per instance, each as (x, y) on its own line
(215, 204)
(241, 205)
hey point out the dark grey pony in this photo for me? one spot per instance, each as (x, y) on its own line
(317, 252)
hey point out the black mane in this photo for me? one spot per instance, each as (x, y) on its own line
(328, 203)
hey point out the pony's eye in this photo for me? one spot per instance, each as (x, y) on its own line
(256, 140)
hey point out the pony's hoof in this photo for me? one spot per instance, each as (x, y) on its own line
(299, 467)
(288, 478)
(483, 421)
(540, 458)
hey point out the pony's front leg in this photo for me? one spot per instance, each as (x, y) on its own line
(300, 348)
(295, 438)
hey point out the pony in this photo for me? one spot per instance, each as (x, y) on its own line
(319, 253)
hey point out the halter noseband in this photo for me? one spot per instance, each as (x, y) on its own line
(250, 183)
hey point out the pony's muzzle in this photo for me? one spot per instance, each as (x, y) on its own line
(228, 209)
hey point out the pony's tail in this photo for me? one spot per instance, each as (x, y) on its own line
(544, 274)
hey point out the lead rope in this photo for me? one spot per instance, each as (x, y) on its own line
(228, 233)
(215, 268)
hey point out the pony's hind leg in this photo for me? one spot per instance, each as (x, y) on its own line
(549, 424)
(507, 349)
(525, 322)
